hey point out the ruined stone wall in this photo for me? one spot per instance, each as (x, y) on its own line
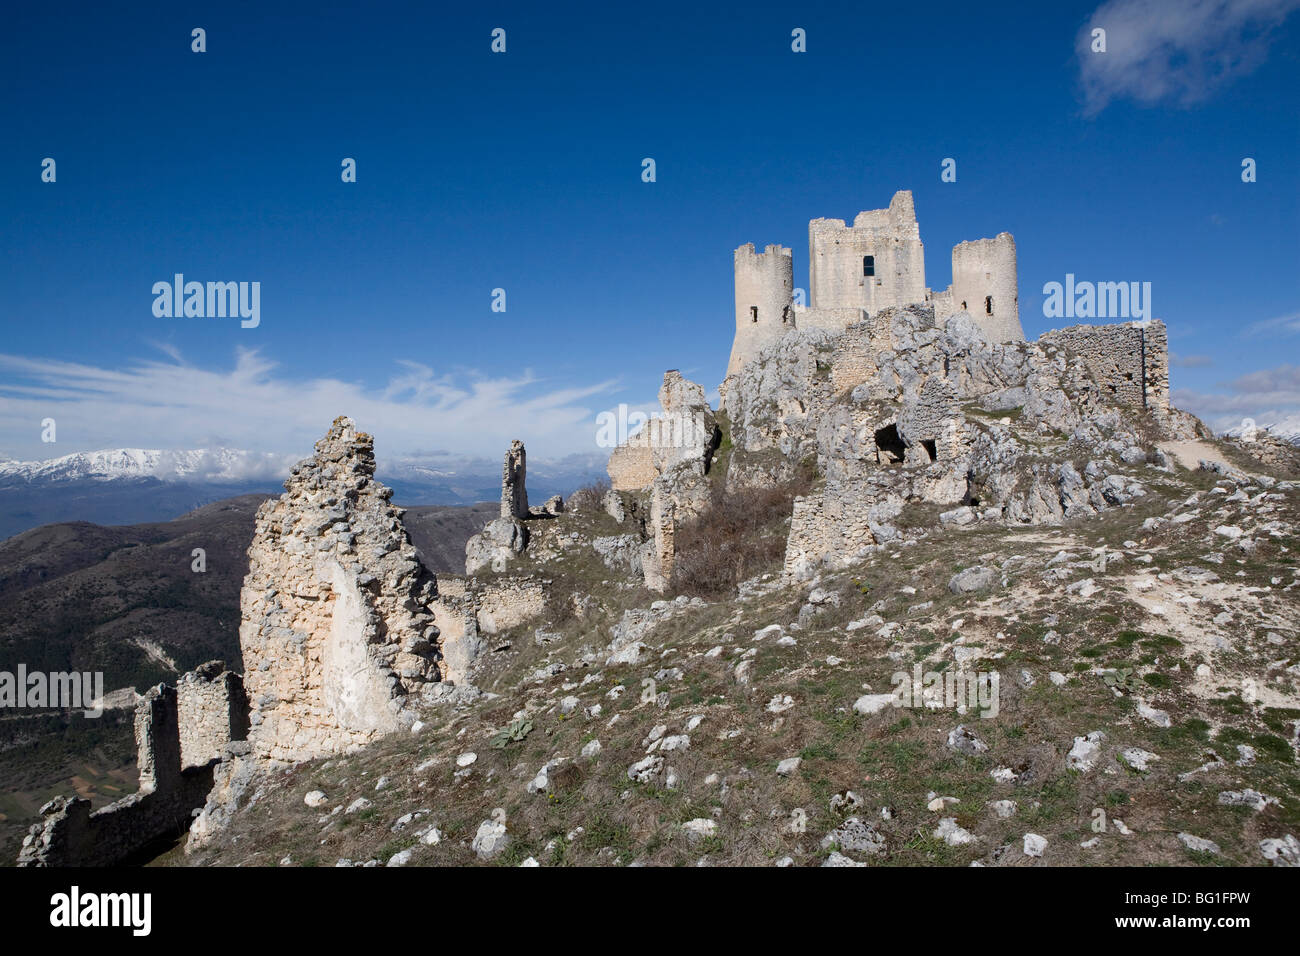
(632, 465)
(336, 631)
(212, 711)
(509, 602)
(686, 431)
(514, 491)
(1129, 361)
(764, 301)
(832, 320)
(659, 553)
(135, 828)
(891, 236)
(856, 357)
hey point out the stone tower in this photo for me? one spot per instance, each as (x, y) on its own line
(514, 492)
(984, 284)
(876, 263)
(764, 301)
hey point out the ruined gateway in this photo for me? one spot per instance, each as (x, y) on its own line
(902, 396)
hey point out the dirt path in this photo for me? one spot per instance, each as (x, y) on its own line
(1189, 453)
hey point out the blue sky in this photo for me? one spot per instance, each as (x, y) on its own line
(522, 171)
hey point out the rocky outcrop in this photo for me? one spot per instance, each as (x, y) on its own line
(901, 411)
(336, 629)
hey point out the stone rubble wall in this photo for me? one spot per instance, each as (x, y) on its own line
(514, 491)
(213, 712)
(509, 602)
(336, 629)
(133, 829)
(686, 432)
(894, 428)
(1129, 361)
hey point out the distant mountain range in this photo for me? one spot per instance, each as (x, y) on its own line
(137, 485)
(1287, 429)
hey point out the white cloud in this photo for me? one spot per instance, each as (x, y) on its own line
(1281, 325)
(1189, 361)
(178, 405)
(1268, 396)
(1174, 51)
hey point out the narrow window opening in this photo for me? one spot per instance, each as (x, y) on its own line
(988, 305)
(930, 448)
(753, 313)
(868, 265)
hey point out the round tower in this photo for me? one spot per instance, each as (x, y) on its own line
(984, 285)
(764, 301)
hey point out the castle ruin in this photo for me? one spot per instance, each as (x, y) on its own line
(855, 272)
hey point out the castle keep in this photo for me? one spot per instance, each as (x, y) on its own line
(856, 271)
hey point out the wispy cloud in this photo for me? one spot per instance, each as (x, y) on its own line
(1281, 325)
(251, 405)
(1174, 51)
(1190, 361)
(1270, 395)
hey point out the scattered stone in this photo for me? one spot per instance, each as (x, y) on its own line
(973, 579)
(855, 836)
(1137, 758)
(1198, 844)
(491, 837)
(952, 834)
(963, 740)
(1084, 754)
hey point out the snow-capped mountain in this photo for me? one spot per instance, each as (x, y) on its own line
(1286, 428)
(137, 485)
(200, 464)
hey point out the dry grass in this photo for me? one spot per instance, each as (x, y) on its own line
(738, 535)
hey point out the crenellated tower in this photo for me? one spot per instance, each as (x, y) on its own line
(764, 301)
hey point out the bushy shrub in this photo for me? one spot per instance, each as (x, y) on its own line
(738, 535)
(588, 497)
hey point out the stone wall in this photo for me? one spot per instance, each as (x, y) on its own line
(136, 828)
(213, 712)
(1129, 361)
(509, 602)
(686, 432)
(336, 629)
(832, 320)
(514, 491)
(890, 236)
